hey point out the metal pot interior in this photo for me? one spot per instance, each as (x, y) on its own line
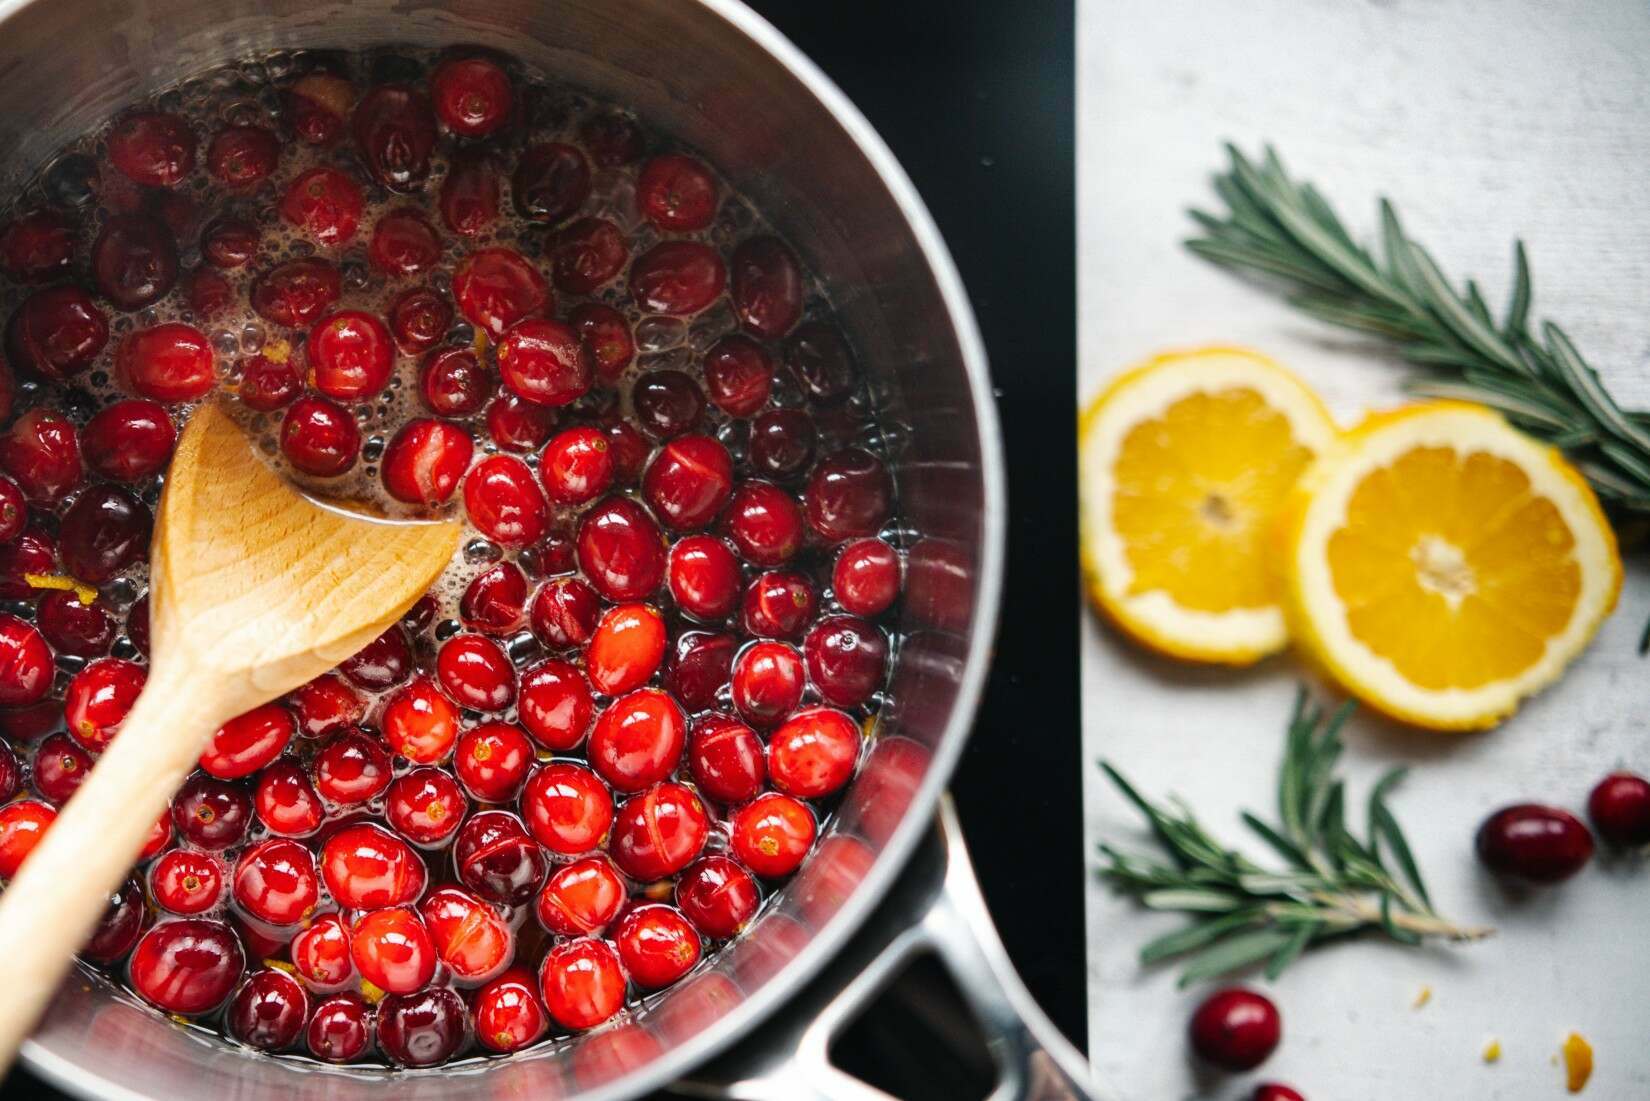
(720, 80)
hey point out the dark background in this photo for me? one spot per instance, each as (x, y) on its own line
(976, 101)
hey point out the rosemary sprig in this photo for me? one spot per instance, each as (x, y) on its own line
(1333, 884)
(1285, 231)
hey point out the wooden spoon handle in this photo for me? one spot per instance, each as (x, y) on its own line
(51, 906)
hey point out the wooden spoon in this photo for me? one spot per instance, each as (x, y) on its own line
(254, 589)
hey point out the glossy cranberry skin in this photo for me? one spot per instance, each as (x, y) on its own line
(1236, 1029)
(393, 950)
(22, 824)
(659, 832)
(508, 1013)
(638, 740)
(340, 1031)
(56, 332)
(626, 649)
(621, 550)
(394, 131)
(765, 524)
(630, 449)
(404, 243)
(474, 671)
(563, 614)
(470, 937)
(847, 659)
(366, 867)
(421, 1029)
(689, 482)
(420, 723)
(320, 437)
(152, 147)
(167, 362)
(317, 106)
(42, 456)
(470, 194)
(1275, 1091)
(269, 384)
(1620, 809)
(102, 533)
(213, 814)
(186, 882)
(425, 461)
(297, 292)
(25, 663)
(866, 577)
(772, 834)
(555, 704)
(1539, 844)
(814, 752)
(581, 898)
(98, 699)
(738, 375)
(493, 602)
(240, 156)
(700, 667)
(577, 466)
(678, 278)
(492, 761)
(37, 245)
(209, 294)
(320, 953)
(656, 945)
(31, 552)
(268, 1011)
(351, 769)
(187, 967)
(582, 983)
(129, 440)
(726, 759)
(496, 859)
(325, 706)
(704, 577)
(612, 139)
(517, 425)
(819, 359)
(351, 355)
(119, 927)
(134, 260)
(229, 242)
(324, 203)
(11, 773)
(544, 362)
(567, 808)
(718, 896)
(778, 604)
(248, 742)
(425, 806)
(504, 503)
(667, 403)
(586, 254)
(677, 193)
(275, 881)
(550, 182)
(849, 495)
(497, 287)
(419, 318)
(766, 287)
(60, 767)
(14, 510)
(606, 334)
(453, 383)
(286, 802)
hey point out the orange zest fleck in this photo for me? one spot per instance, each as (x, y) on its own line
(1422, 997)
(1578, 1062)
(1492, 1051)
(277, 351)
(84, 593)
(371, 993)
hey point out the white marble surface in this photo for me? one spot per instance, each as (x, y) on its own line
(1483, 120)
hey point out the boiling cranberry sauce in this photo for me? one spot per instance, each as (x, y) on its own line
(622, 717)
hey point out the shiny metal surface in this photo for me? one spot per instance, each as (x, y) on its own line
(720, 79)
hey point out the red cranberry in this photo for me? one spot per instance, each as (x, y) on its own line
(606, 334)
(286, 802)
(638, 740)
(726, 759)
(325, 706)
(508, 1013)
(766, 287)
(249, 742)
(564, 613)
(849, 495)
(581, 898)
(324, 203)
(269, 383)
(32, 552)
(497, 860)
(394, 132)
(37, 245)
(470, 937)
(352, 769)
(551, 181)
(119, 927)
(419, 318)
(689, 481)
(188, 966)
(60, 767)
(1620, 809)
(453, 383)
(492, 761)
(764, 523)
(738, 375)
(392, 950)
(626, 649)
(229, 242)
(275, 881)
(504, 502)
(383, 663)
(1236, 1029)
(630, 451)
(351, 355)
(814, 753)
(718, 896)
(659, 832)
(425, 461)
(213, 814)
(209, 294)
(22, 824)
(14, 510)
(621, 550)
(366, 868)
(494, 601)
(704, 577)
(98, 699)
(555, 704)
(470, 194)
(425, 806)
(404, 243)
(319, 437)
(297, 292)
(102, 533)
(152, 147)
(1274, 1091)
(668, 403)
(340, 1031)
(517, 425)
(318, 106)
(497, 287)
(576, 466)
(129, 441)
(186, 882)
(42, 457)
(268, 1011)
(612, 139)
(56, 332)
(567, 808)
(586, 254)
(320, 953)
(582, 983)
(677, 277)
(656, 945)
(240, 156)
(700, 667)
(1533, 842)
(167, 362)
(475, 672)
(134, 260)
(866, 577)
(677, 193)
(420, 615)
(846, 659)
(420, 723)
(771, 834)
(777, 605)
(819, 359)
(544, 362)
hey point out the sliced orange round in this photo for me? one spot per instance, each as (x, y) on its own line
(1183, 465)
(1443, 565)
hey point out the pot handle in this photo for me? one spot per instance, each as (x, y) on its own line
(934, 907)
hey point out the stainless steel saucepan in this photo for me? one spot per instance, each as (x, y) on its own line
(720, 79)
